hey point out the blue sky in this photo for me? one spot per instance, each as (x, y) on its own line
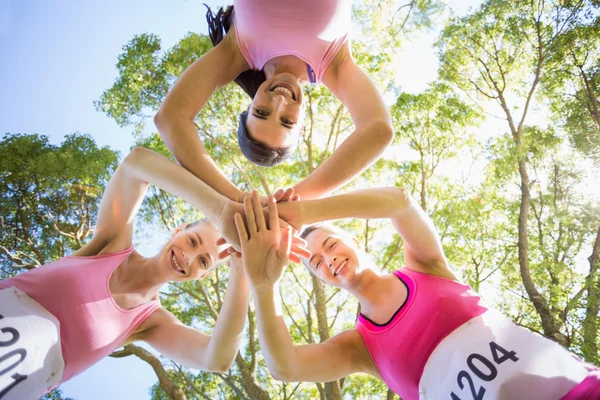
(57, 57)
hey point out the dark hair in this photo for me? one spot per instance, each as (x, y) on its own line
(254, 150)
(218, 25)
(258, 152)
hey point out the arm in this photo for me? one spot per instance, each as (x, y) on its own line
(265, 253)
(175, 119)
(422, 245)
(336, 358)
(195, 349)
(372, 135)
(127, 188)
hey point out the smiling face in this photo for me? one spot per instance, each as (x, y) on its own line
(276, 112)
(191, 253)
(335, 258)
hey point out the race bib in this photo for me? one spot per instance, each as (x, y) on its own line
(30, 353)
(490, 357)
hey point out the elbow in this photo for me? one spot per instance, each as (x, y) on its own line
(400, 197)
(161, 120)
(136, 154)
(282, 375)
(218, 368)
(384, 132)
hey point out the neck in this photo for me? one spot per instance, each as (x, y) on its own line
(140, 275)
(371, 290)
(290, 64)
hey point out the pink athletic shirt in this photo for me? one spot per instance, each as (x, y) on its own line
(433, 309)
(75, 290)
(312, 30)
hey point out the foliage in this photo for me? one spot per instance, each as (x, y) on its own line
(514, 219)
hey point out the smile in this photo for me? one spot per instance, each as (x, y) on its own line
(285, 90)
(176, 264)
(341, 268)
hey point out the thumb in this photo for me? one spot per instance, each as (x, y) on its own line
(285, 244)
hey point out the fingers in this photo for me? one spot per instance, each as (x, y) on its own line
(241, 229)
(287, 195)
(295, 197)
(273, 216)
(299, 241)
(285, 244)
(278, 195)
(295, 259)
(223, 254)
(300, 251)
(250, 220)
(259, 216)
(221, 241)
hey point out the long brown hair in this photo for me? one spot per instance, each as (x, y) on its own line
(250, 80)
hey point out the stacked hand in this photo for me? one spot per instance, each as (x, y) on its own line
(280, 195)
(266, 250)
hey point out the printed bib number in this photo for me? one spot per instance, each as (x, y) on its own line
(30, 355)
(489, 357)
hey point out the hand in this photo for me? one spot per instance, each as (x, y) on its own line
(283, 195)
(227, 227)
(290, 213)
(265, 250)
(280, 195)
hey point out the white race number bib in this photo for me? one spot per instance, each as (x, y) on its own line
(30, 353)
(490, 357)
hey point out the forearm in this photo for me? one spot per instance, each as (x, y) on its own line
(374, 203)
(153, 168)
(181, 137)
(225, 339)
(353, 156)
(276, 344)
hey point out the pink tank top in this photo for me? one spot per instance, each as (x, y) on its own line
(433, 309)
(75, 290)
(312, 30)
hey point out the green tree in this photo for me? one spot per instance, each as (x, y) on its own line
(50, 197)
(500, 53)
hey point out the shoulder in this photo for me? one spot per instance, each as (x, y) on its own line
(159, 318)
(342, 65)
(230, 49)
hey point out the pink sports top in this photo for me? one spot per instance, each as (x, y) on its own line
(312, 30)
(75, 290)
(433, 309)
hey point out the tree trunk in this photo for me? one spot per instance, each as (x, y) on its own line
(164, 380)
(549, 323)
(390, 395)
(333, 390)
(247, 378)
(590, 323)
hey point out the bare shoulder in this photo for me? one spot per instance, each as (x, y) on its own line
(342, 65)
(160, 317)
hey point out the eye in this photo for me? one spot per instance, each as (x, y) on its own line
(332, 245)
(203, 262)
(287, 121)
(262, 113)
(193, 241)
(318, 265)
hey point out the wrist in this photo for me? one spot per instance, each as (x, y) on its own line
(264, 289)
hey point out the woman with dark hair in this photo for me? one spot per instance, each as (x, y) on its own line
(61, 318)
(422, 331)
(271, 49)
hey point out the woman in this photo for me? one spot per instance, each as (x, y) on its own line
(274, 48)
(60, 319)
(423, 332)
